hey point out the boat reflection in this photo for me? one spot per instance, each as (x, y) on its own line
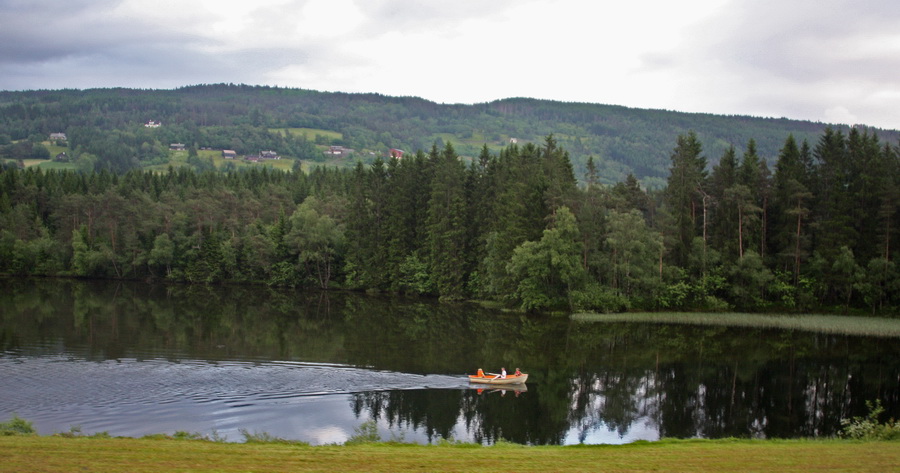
(516, 389)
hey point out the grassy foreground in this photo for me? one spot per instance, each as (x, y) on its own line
(58, 454)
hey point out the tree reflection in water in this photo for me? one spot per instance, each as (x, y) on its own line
(588, 382)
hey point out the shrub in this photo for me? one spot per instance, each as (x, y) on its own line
(184, 435)
(598, 298)
(75, 431)
(16, 426)
(868, 428)
(367, 432)
(265, 437)
(451, 442)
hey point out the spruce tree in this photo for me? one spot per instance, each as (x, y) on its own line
(684, 194)
(791, 208)
(447, 225)
(833, 211)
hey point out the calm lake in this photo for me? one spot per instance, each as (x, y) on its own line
(133, 359)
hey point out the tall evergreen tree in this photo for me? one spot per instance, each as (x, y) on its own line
(518, 211)
(889, 208)
(869, 180)
(359, 221)
(447, 225)
(791, 208)
(684, 196)
(722, 223)
(558, 173)
(754, 175)
(833, 212)
(481, 181)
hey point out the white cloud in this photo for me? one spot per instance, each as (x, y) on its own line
(329, 19)
(840, 115)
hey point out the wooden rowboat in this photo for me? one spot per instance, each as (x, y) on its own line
(490, 379)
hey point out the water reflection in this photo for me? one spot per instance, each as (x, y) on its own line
(135, 359)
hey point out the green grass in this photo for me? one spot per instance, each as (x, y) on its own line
(844, 325)
(179, 159)
(340, 163)
(309, 133)
(54, 150)
(24, 454)
(48, 164)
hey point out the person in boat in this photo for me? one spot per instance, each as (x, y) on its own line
(480, 373)
(518, 373)
(502, 374)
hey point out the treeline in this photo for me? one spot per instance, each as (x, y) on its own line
(814, 234)
(106, 126)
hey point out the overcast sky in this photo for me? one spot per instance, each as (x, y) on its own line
(836, 61)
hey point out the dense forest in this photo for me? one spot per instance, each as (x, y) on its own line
(105, 127)
(815, 231)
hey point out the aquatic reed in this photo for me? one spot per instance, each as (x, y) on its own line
(835, 324)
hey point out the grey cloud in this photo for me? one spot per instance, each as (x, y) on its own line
(82, 33)
(150, 66)
(806, 40)
(41, 30)
(77, 44)
(796, 59)
(48, 43)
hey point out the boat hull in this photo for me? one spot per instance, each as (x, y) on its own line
(512, 379)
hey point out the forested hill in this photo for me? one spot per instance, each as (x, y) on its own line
(108, 123)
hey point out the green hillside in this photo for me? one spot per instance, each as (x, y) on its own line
(108, 124)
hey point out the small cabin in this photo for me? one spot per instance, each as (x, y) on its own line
(229, 153)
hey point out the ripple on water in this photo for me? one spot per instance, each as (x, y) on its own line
(115, 395)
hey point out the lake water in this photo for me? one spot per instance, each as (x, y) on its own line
(134, 359)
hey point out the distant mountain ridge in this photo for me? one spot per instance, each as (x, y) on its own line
(621, 140)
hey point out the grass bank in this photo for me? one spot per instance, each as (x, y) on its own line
(23, 454)
(843, 325)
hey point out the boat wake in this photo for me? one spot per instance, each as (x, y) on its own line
(135, 397)
(162, 381)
